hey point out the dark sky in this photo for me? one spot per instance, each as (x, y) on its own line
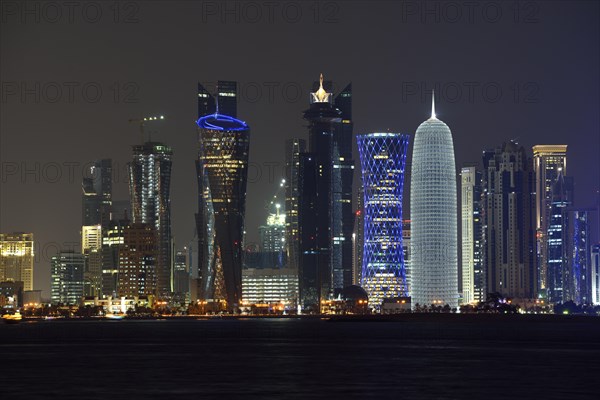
(500, 73)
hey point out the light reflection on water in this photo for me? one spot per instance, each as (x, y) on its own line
(301, 359)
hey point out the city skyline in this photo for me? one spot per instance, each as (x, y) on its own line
(402, 85)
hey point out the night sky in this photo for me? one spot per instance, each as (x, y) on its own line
(527, 72)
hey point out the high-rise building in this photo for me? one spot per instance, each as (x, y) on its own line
(382, 159)
(326, 220)
(16, 258)
(433, 215)
(509, 227)
(576, 255)
(149, 189)
(473, 279)
(182, 276)
(406, 253)
(548, 161)
(113, 239)
(272, 235)
(556, 268)
(91, 248)
(358, 239)
(66, 284)
(595, 274)
(222, 169)
(293, 149)
(223, 100)
(137, 261)
(97, 194)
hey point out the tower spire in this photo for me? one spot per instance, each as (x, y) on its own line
(433, 116)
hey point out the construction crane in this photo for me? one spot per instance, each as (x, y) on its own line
(143, 121)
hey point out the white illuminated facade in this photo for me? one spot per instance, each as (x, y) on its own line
(433, 214)
(472, 261)
(269, 286)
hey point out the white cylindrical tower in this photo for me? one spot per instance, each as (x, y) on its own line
(433, 214)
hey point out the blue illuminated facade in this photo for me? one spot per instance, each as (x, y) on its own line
(383, 159)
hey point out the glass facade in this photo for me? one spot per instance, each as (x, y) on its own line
(66, 285)
(382, 159)
(548, 162)
(433, 214)
(222, 178)
(149, 188)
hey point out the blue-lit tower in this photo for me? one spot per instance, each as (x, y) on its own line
(382, 160)
(222, 169)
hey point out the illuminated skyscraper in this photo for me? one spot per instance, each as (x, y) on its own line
(272, 235)
(406, 253)
(358, 238)
(293, 149)
(509, 228)
(433, 214)
(595, 274)
(91, 248)
(16, 258)
(327, 219)
(66, 285)
(576, 255)
(113, 239)
(222, 169)
(97, 194)
(548, 161)
(137, 261)
(149, 189)
(382, 159)
(473, 278)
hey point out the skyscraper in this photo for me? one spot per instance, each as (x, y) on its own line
(113, 239)
(223, 100)
(327, 219)
(433, 214)
(97, 194)
(66, 284)
(137, 261)
(472, 252)
(182, 276)
(576, 255)
(293, 149)
(91, 248)
(548, 161)
(272, 235)
(509, 228)
(406, 253)
(16, 258)
(149, 189)
(358, 238)
(595, 274)
(382, 159)
(556, 268)
(222, 169)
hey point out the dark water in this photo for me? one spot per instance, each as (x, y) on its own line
(442, 358)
